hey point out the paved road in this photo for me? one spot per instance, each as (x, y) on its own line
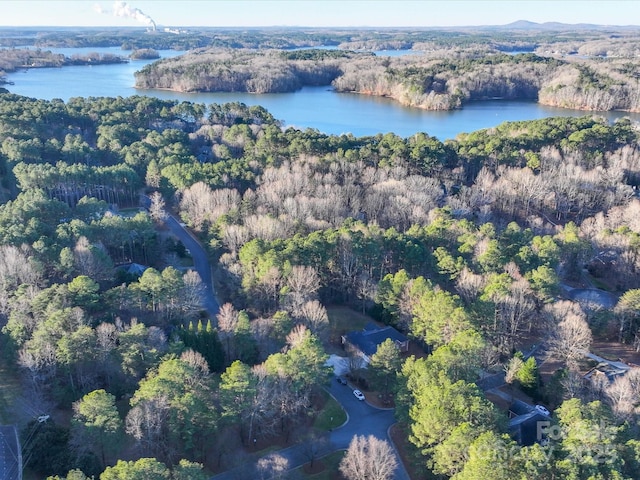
(593, 296)
(200, 262)
(363, 419)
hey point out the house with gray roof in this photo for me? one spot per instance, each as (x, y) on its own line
(365, 342)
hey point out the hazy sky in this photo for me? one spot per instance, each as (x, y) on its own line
(400, 13)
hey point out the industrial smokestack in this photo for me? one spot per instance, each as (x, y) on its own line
(123, 9)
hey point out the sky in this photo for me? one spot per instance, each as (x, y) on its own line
(315, 13)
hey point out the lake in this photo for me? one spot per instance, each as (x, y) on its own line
(311, 107)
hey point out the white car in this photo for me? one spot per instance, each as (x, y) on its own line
(543, 410)
(358, 394)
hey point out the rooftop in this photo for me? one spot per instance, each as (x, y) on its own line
(526, 429)
(368, 339)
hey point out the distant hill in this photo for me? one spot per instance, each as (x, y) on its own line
(527, 25)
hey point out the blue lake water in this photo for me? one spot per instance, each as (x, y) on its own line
(311, 107)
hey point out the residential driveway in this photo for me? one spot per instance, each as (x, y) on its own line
(363, 419)
(590, 296)
(200, 262)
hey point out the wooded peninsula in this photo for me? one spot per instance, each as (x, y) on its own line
(600, 74)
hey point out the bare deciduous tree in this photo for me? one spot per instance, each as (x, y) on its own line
(227, 323)
(107, 341)
(314, 316)
(261, 412)
(511, 369)
(156, 208)
(234, 236)
(192, 292)
(269, 287)
(624, 394)
(514, 309)
(303, 283)
(106, 337)
(91, 260)
(196, 204)
(569, 334)
(199, 364)
(262, 331)
(469, 285)
(368, 458)
(267, 227)
(40, 362)
(314, 446)
(146, 422)
(272, 467)
(365, 290)
(15, 269)
(156, 338)
(572, 383)
(355, 362)
(296, 336)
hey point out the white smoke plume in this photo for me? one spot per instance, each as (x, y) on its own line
(123, 9)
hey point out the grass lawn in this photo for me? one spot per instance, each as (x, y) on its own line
(616, 351)
(130, 211)
(404, 449)
(266, 451)
(343, 320)
(186, 261)
(325, 468)
(601, 285)
(331, 416)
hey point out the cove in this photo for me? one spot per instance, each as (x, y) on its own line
(311, 107)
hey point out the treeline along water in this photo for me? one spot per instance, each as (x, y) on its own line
(311, 107)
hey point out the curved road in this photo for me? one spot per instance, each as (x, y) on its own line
(200, 262)
(362, 419)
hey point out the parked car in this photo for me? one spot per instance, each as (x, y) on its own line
(358, 394)
(543, 410)
(341, 380)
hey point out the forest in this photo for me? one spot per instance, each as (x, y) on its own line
(23, 58)
(434, 79)
(506, 38)
(592, 69)
(468, 246)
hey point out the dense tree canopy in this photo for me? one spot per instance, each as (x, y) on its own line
(469, 247)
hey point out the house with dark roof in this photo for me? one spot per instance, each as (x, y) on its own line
(133, 269)
(366, 341)
(10, 453)
(529, 428)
